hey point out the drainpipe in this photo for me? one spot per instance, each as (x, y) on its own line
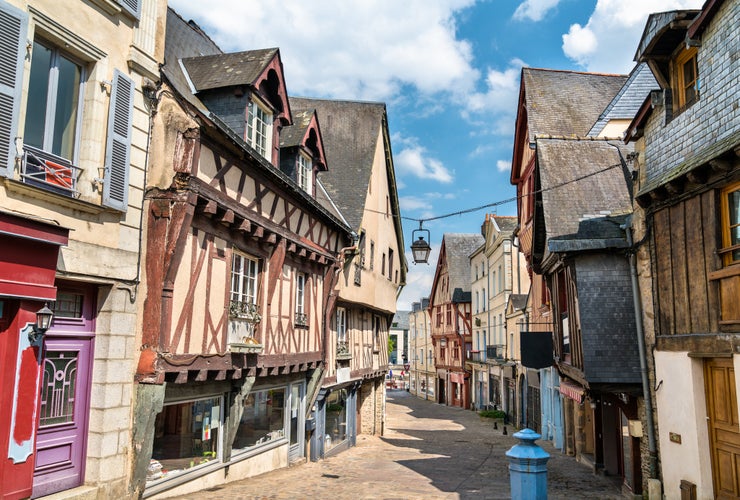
(646, 393)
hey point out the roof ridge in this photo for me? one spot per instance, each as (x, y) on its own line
(575, 72)
(576, 137)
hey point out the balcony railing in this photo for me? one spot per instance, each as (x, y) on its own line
(301, 319)
(495, 352)
(245, 311)
(343, 352)
(49, 172)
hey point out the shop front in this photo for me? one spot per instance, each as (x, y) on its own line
(28, 264)
(336, 419)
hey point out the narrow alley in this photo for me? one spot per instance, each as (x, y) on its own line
(429, 451)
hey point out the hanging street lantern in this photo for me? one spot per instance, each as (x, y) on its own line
(420, 249)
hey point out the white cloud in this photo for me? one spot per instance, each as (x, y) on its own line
(409, 203)
(413, 160)
(608, 41)
(503, 166)
(534, 10)
(498, 103)
(359, 50)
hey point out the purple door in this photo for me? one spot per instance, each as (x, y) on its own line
(61, 441)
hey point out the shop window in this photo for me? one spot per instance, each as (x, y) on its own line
(187, 435)
(336, 419)
(262, 419)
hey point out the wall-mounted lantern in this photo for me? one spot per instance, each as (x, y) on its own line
(43, 322)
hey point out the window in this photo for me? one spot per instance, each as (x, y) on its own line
(500, 279)
(421, 356)
(372, 255)
(494, 282)
(390, 263)
(301, 318)
(259, 128)
(243, 285)
(686, 79)
(376, 333)
(730, 205)
(335, 423)
(263, 419)
(484, 299)
(382, 265)
(439, 316)
(304, 172)
(477, 303)
(449, 314)
(54, 100)
(341, 324)
(186, 435)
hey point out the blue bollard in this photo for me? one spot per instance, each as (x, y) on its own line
(528, 467)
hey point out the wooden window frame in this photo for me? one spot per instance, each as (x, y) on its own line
(728, 249)
(680, 85)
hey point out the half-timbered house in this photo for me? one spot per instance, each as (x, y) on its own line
(688, 137)
(451, 316)
(361, 184)
(241, 264)
(560, 103)
(74, 128)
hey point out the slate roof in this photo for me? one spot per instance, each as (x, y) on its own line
(506, 223)
(350, 131)
(184, 39)
(227, 70)
(565, 205)
(518, 301)
(400, 320)
(292, 135)
(566, 103)
(628, 100)
(458, 247)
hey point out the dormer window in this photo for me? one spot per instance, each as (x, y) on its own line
(305, 169)
(686, 79)
(259, 128)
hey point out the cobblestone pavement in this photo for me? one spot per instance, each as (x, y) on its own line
(429, 451)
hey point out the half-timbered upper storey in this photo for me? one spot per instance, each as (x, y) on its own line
(241, 256)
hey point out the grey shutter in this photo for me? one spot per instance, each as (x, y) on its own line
(133, 7)
(13, 24)
(118, 147)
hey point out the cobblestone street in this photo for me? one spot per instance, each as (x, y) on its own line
(429, 451)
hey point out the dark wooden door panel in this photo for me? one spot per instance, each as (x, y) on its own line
(724, 431)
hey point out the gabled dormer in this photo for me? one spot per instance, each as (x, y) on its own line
(302, 150)
(246, 90)
(672, 56)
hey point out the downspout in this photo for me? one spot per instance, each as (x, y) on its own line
(631, 256)
(646, 393)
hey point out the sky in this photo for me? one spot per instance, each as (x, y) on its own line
(448, 71)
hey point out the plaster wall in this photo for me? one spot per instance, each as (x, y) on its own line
(681, 408)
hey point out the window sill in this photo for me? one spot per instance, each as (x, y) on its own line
(59, 199)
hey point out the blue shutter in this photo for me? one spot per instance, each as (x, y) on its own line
(118, 147)
(13, 24)
(133, 7)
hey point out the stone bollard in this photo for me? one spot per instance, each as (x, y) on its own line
(528, 467)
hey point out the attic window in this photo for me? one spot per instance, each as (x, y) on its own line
(259, 128)
(304, 170)
(686, 79)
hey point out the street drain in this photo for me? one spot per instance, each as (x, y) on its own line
(331, 476)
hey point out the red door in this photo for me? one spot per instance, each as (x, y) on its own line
(64, 408)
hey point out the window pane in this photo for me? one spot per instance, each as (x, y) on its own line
(68, 305)
(38, 95)
(65, 116)
(262, 418)
(336, 419)
(58, 388)
(185, 435)
(734, 206)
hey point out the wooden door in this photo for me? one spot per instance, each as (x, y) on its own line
(724, 432)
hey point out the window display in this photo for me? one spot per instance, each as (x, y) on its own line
(336, 419)
(186, 435)
(262, 419)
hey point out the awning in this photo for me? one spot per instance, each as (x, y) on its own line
(28, 261)
(572, 391)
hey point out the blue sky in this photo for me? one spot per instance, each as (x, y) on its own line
(448, 71)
